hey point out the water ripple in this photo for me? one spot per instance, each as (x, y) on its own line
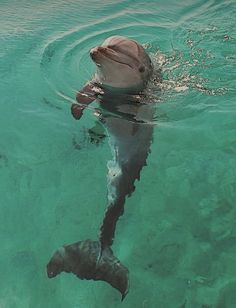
(66, 65)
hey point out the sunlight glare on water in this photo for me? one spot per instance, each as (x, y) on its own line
(178, 235)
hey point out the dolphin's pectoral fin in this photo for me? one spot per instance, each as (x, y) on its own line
(84, 97)
(97, 133)
(84, 260)
(77, 111)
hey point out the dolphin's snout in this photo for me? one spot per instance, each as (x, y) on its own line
(98, 50)
(93, 52)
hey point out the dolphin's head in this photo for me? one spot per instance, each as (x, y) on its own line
(122, 63)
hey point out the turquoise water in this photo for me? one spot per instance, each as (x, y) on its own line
(178, 234)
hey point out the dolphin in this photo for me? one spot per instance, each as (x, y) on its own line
(123, 71)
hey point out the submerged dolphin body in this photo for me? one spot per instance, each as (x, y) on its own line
(130, 140)
(124, 69)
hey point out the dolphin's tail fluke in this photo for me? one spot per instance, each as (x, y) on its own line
(85, 261)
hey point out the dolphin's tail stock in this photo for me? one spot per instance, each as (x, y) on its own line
(120, 184)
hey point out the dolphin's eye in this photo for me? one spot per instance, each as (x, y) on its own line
(141, 69)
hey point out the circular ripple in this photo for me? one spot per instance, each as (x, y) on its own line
(65, 62)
